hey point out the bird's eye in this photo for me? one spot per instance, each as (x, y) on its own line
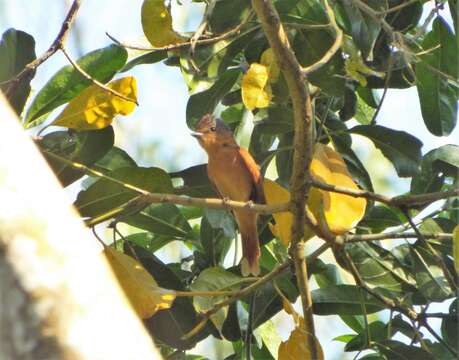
(213, 128)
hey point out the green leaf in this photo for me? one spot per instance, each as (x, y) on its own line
(17, 49)
(396, 350)
(343, 300)
(429, 276)
(379, 218)
(436, 165)
(450, 326)
(456, 248)
(378, 332)
(163, 220)
(67, 83)
(214, 243)
(227, 14)
(354, 165)
(148, 58)
(114, 159)
(438, 98)
(170, 325)
(105, 195)
(196, 183)
(205, 102)
(214, 279)
(401, 148)
(379, 268)
(83, 147)
(364, 29)
(364, 112)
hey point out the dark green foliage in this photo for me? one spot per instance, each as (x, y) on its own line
(17, 49)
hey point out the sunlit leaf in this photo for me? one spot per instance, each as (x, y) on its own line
(157, 24)
(256, 91)
(340, 212)
(276, 194)
(145, 295)
(67, 83)
(267, 59)
(456, 248)
(95, 107)
(296, 347)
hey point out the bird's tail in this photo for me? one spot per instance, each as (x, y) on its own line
(250, 244)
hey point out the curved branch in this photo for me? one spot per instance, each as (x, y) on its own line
(333, 49)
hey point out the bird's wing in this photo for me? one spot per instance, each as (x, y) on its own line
(257, 193)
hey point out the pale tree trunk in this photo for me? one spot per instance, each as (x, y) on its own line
(58, 297)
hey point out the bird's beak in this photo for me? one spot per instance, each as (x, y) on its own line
(197, 135)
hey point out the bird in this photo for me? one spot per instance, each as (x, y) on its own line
(236, 176)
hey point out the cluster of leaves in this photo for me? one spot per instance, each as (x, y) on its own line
(240, 76)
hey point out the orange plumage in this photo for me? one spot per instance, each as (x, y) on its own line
(237, 177)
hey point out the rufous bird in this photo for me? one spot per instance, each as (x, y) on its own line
(237, 177)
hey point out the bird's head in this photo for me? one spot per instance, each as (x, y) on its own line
(213, 134)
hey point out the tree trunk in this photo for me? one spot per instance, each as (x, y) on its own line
(58, 297)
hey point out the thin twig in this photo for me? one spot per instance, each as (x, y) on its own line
(351, 238)
(333, 49)
(58, 42)
(386, 87)
(302, 153)
(398, 7)
(94, 81)
(200, 42)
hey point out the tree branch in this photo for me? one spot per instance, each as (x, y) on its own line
(302, 152)
(401, 200)
(199, 42)
(61, 37)
(333, 49)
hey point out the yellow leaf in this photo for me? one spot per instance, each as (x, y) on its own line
(157, 24)
(334, 212)
(456, 248)
(145, 295)
(267, 59)
(95, 108)
(256, 91)
(341, 212)
(296, 347)
(276, 194)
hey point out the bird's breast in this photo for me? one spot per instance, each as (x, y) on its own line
(229, 174)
